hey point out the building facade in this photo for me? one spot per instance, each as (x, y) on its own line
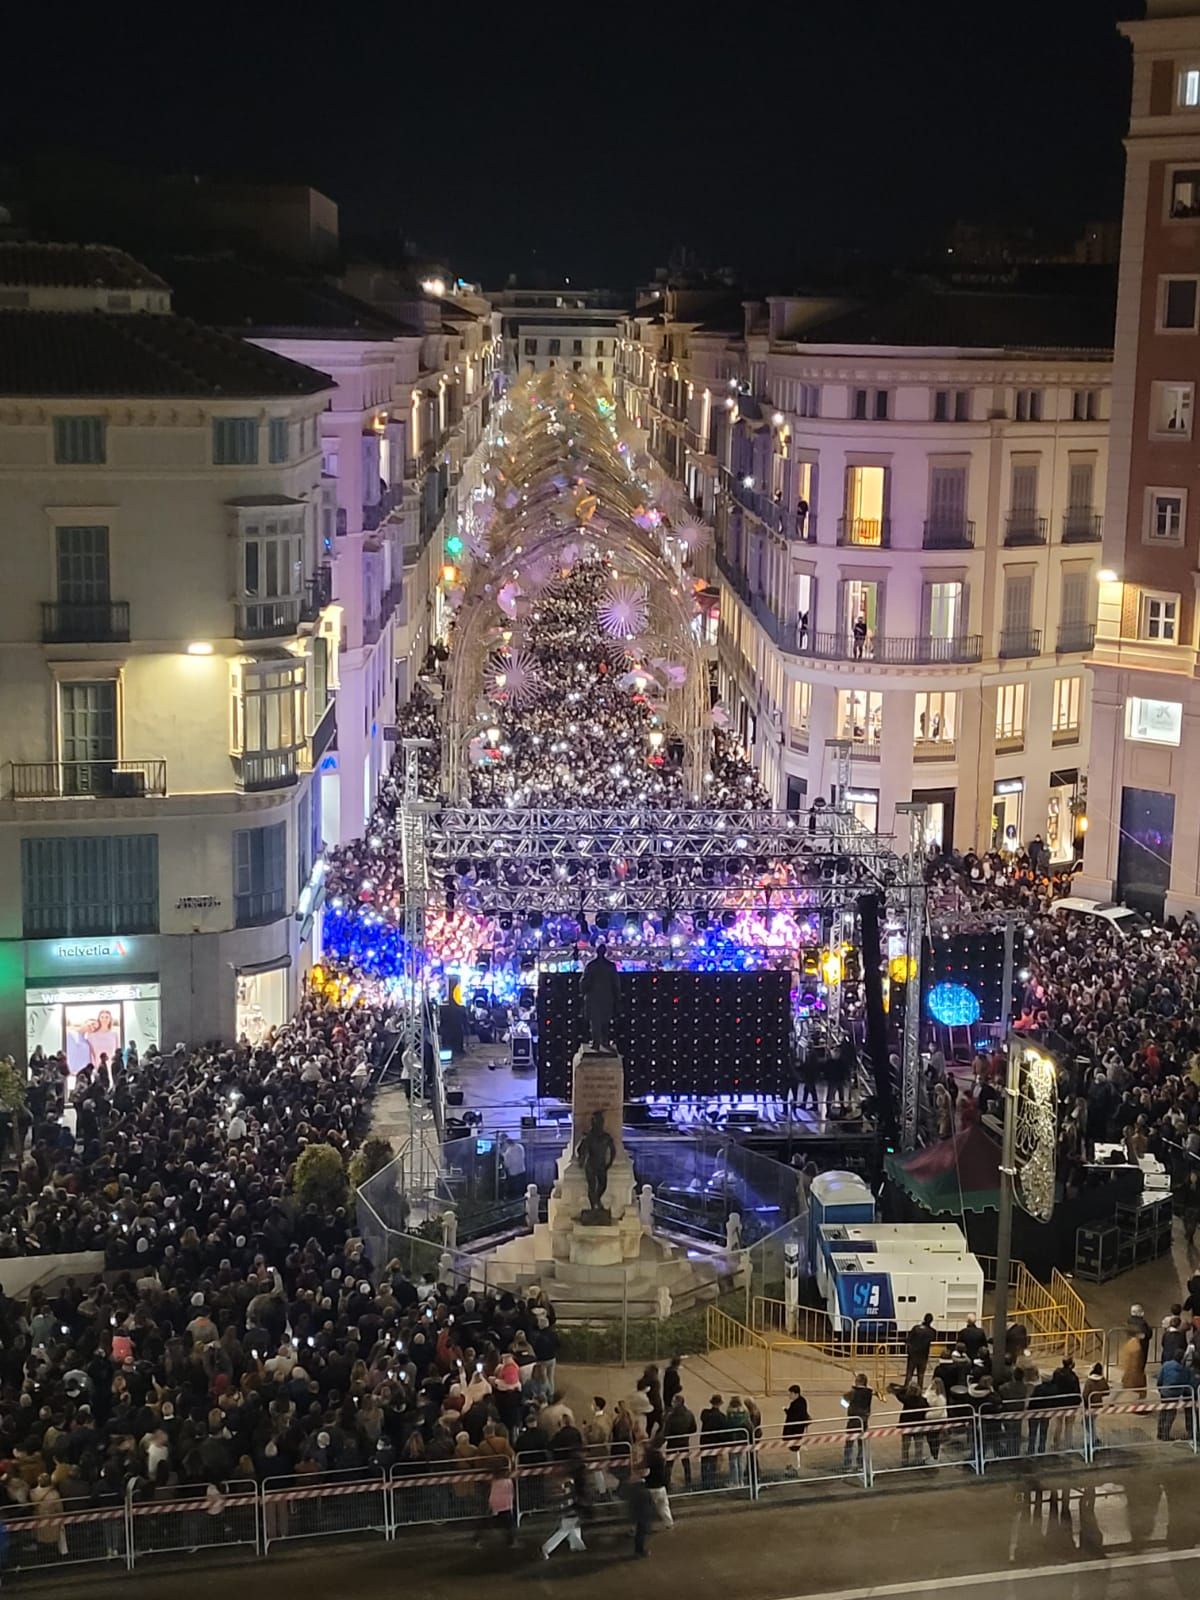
(1144, 799)
(905, 500)
(573, 328)
(169, 670)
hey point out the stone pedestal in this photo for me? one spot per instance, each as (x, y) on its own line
(597, 1085)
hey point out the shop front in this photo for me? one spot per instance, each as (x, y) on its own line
(262, 1000)
(939, 817)
(1007, 804)
(92, 997)
(1060, 814)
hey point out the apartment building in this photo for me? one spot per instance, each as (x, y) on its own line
(572, 328)
(1144, 798)
(169, 662)
(400, 460)
(905, 494)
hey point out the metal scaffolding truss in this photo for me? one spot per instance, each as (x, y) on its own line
(693, 850)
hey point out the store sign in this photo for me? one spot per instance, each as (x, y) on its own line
(198, 902)
(54, 958)
(92, 950)
(1010, 786)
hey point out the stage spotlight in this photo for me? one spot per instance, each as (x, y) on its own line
(700, 921)
(602, 921)
(728, 919)
(534, 921)
(462, 868)
(505, 921)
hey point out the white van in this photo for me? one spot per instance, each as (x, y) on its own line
(1125, 921)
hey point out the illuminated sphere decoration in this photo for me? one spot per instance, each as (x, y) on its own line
(953, 1005)
(623, 612)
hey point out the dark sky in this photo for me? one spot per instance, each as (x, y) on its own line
(593, 140)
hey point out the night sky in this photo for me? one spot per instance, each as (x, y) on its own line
(596, 140)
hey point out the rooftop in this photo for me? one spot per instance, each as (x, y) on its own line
(28, 265)
(275, 301)
(117, 356)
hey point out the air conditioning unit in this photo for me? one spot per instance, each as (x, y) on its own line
(129, 785)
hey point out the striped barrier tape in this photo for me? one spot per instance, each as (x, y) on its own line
(60, 1519)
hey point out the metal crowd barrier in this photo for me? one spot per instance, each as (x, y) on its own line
(242, 1515)
(316, 1505)
(208, 1521)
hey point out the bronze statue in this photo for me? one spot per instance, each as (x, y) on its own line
(600, 988)
(596, 1152)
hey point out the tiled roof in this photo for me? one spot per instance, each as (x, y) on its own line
(78, 353)
(248, 298)
(71, 266)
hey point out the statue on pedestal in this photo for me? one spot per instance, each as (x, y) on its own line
(600, 987)
(595, 1153)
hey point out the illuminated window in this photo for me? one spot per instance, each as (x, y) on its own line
(1171, 410)
(935, 718)
(1068, 692)
(1010, 714)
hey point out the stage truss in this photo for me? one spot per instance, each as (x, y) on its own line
(558, 861)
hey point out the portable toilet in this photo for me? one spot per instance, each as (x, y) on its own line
(835, 1197)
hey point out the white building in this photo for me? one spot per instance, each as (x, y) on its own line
(400, 456)
(573, 328)
(906, 504)
(167, 664)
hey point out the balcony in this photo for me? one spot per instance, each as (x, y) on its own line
(949, 533)
(870, 533)
(1075, 636)
(758, 504)
(1081, 525)
(91, 780)
(271, 769)
(318, 592)
(1024, 528)
(893, 650)
(91, 622)
(1018, 643)
(934, 749)
(268, 619)
(382, 509)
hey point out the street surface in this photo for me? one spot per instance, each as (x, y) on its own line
(1062, 1535)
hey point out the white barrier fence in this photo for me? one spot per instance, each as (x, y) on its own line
(779, 1463)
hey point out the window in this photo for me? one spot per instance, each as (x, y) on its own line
(935, 718)
(259, 874)
(1178, 302)
(1165, 516)
(1068, 694)
(1171, 410)
(277, 439)
(89, 886)
(809, 400)
(235, 441)
(577, 366)
(531, 347)
(1028, 407)
(1153, 721)
(576, 347)
(870, 403)
(87, 723)
(866, 497)
(801, 711)
(1085, 405)
(1074, 630)
(1158, 617)
(554, 347)
(600, 368)
(272, 569)
(1017, 617)
(951, 405)
(860, 716)
(81, 565)
(1185, 193)
(1189, 87)
(79, 441)
(267, 707)
(599, 347)
(1010, 714)
(946, 523)
(945, 610)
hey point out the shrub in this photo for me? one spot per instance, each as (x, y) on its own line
(12, 1090)
(371, 1157)
(319, 1178)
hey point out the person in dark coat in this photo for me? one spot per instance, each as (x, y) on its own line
(917, 1345)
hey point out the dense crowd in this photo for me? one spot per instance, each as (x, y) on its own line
(1119, 1010)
